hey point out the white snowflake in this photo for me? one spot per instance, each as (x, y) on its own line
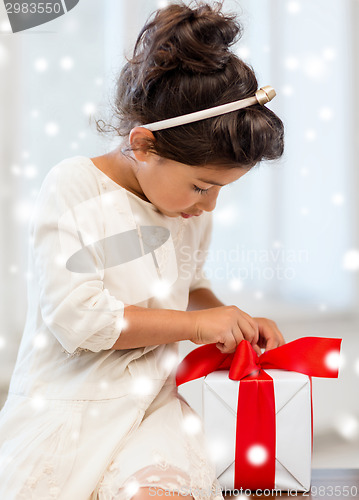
(351, 260)
(347, 426)
(66, 63)
(51, 128)
(293, 7)
(41, 64)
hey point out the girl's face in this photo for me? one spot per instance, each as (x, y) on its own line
(182, 190)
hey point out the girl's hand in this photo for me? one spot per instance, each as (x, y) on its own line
(226, 326)
(269, 335)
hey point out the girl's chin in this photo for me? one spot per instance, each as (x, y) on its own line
(184, 215)
(168, 213)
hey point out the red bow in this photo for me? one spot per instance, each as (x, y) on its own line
(313, 356)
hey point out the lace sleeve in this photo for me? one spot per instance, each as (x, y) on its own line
(66, 224)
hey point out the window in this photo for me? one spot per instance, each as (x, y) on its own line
(287, 228)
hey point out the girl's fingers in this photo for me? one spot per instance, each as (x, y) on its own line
(280, 336)
(257, 350)
(270, 336)
(248, 331)
(231, 342)
(253, 323)
(274, 341)
(238, 335)
(271, 344)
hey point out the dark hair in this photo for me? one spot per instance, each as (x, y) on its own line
(181, 63)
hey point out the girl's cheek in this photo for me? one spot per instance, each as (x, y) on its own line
(180, 199)
(187, 201)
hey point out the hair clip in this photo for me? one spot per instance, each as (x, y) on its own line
(262, 96)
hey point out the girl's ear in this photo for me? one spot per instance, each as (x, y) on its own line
(141, 139)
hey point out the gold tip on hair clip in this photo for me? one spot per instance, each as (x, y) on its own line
(262, 96)
(265, 94)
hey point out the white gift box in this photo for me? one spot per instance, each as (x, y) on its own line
(293, 427)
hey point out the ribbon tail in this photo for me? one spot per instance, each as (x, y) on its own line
(313, 356)
(256, 434)
(200, 362)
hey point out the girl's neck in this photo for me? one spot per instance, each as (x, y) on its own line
(120, 169)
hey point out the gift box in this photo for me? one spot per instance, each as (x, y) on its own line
(257, 411)
(293, 440)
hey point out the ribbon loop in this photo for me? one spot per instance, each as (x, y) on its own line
(308, 355)
(245, 362)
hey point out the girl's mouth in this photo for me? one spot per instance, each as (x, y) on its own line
(186, 216)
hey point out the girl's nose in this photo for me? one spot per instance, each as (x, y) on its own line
(209, 201)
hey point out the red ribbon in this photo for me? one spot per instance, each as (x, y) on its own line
(256, 401)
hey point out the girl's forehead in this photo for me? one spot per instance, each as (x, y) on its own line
(217, 175)
(210, 174)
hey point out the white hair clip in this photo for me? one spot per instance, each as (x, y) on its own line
(262, 96)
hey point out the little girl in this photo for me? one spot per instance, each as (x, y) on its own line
(116, 255)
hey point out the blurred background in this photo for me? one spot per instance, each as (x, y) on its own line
(285, 243)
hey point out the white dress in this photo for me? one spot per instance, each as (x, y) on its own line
(82, 421)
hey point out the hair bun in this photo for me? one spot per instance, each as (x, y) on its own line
(194, 40)
(181, 64)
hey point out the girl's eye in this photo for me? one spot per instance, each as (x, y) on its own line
(199, 190)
